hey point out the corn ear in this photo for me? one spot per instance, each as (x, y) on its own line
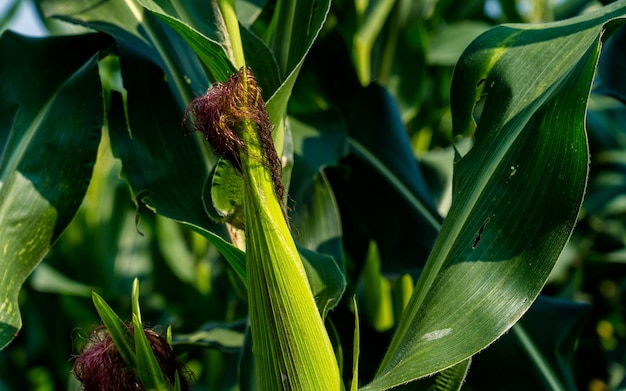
(290, 343)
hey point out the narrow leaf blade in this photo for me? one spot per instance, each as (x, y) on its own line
(118, 330)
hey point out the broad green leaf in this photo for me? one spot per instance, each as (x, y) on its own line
(388, 152)
(143, 35)
(44, 113)
(315, 219)
(262, 62)
(516, 194)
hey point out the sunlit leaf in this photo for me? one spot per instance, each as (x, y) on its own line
(516, 194)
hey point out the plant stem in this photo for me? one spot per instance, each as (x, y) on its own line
(229, 15)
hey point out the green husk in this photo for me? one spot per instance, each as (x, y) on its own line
(291, 346)
(290, 342)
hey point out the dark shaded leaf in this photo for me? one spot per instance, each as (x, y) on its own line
(542, 344)
(50, 125)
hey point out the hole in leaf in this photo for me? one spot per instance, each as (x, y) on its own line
(480, 233)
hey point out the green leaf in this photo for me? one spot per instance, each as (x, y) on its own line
(249, 10)
(388, 153)
(195, 23)
(315, 217)
(354, 385)
(544, 342)
(375, 292)
(611, 67)
(294, 28)
(121, 336)
(173, 185)
(383, 167)
(228, 338)
(226, 194)
(141, 34)
(370, 26)
(47, 108)
(135, 301)
(450, 379)
(447, 46)
(261, 60)
(325, 279)
(148, 369)
(516, 194)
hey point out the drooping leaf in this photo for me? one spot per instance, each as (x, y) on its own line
(516, 194)
(139, 32)
(45, 111)
(156, 139)
(383, 167)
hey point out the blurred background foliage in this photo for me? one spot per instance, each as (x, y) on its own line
(409, 48)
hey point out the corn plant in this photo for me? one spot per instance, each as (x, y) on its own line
(269, 151)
